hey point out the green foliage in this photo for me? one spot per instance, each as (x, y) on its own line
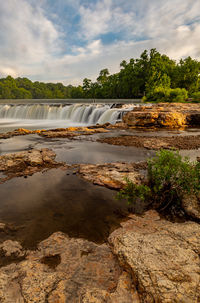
(186, 75)
(169, 171)
(132, 191)
(170, 177)
(152, 75)
(23, 88)
(196, 97)
(163, 94)
(178, 95)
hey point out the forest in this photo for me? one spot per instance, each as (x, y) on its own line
(152, 77)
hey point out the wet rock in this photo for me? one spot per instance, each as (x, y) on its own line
(111, 175)
(153, 142)
(170, 115)
(71, 132)
(19, 132)
(26, 163)
(162, 257)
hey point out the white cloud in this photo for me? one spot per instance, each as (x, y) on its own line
(95, 18)
(32, 45)
(27, 37)
(104, 17)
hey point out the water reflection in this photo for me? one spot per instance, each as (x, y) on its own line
(58, 200)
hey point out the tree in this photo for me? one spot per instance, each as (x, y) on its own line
(188, 75)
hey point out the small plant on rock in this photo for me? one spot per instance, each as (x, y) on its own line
(133, 191)
(170, 177)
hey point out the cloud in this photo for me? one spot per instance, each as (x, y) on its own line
(27, 37)
(70, 40)
(103, 17)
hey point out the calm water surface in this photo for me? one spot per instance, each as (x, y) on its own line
(58, 200)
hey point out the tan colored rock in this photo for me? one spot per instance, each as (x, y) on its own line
(71, 132)
(61, 270)
(125, 291)
(10, 247)
(34, 158)
(26, 163)
(111, 175)
(10, 289)
(162, 257)
(191, 205)
(55, 133)
(171, 115)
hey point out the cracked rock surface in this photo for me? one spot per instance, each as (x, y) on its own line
(66, 270)
(147, 260)
(162, 257)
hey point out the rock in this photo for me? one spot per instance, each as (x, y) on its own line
(12, 248)
(111, 175)
(83, 271)
(71, 132)
(34, 158)
(191, 205)
(2, 227)
(125, 291)
(27, 162)
(154, 142)
(171, 115)
(159, 263)
(162, 257)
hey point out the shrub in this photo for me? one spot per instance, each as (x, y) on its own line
(170, 177)
(196, 97)
(132, 191)
(178, 95)
(161, 94)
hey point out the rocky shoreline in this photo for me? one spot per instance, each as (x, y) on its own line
(147, 260)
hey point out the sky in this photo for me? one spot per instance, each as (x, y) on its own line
(68, 40)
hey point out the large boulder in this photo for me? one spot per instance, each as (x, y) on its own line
(162, 257)
(170, 115)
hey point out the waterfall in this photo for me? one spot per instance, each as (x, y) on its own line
(85, 114)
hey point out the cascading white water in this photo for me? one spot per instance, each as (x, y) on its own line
(77, 113)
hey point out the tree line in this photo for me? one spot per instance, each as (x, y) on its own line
(152, 76)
